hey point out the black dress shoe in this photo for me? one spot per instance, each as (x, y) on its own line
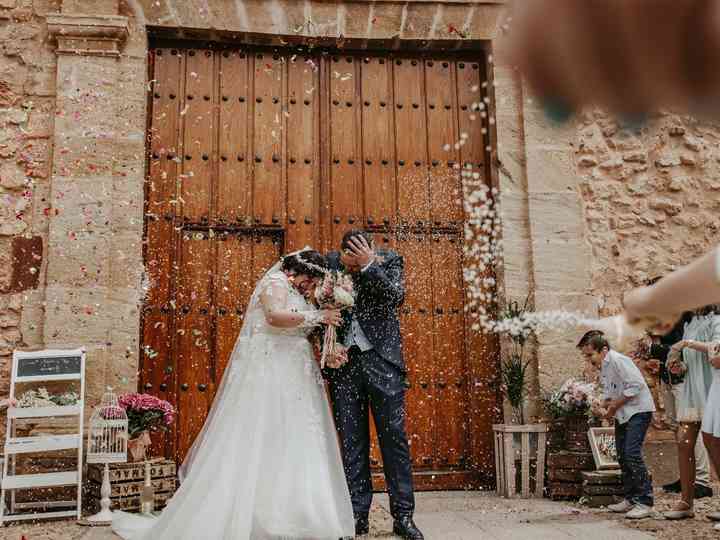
(405, 528)
(702, 491)
(362, 525)
(673, 487)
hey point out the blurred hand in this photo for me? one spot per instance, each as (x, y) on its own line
(679, 346)
(338, 358)
(331, 317)
(653, 366)
(630, 56)
(676, 366)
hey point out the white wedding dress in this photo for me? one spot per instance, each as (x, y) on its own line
(266, 465)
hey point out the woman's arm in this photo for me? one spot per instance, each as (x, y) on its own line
(274, 303)
(691, 287)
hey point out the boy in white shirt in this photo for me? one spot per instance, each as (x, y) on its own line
(627, 400)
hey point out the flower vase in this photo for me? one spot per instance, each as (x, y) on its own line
(137, 447)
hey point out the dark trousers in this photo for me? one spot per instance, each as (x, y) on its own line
(629, 439)
(369, 383)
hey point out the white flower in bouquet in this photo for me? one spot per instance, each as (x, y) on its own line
(343, 298)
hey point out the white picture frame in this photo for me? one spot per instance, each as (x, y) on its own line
(602, 443)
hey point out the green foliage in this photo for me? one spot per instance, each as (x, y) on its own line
(515, 383)
(139, 421)
(514, 368)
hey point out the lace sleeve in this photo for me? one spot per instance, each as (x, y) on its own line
(311, 318)
(274, 301)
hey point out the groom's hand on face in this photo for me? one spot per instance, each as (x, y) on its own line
(361, 250)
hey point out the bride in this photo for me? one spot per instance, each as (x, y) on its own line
(266, 464)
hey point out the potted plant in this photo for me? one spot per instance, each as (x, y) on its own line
(519, 447)
(145, 413)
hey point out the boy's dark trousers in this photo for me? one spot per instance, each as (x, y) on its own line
(629, 439)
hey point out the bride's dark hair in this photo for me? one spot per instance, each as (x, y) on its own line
(308, 263)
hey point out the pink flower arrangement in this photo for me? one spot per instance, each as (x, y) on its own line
(573, 398)
(146, 412)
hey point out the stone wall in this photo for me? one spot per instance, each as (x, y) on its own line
(27, 113)
(651, 198)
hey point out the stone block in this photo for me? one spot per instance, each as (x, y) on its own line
(510, 134)
(82, 260)
(486, 20)
(83, 156)
(512, 171)
(555, 217)
(81, 204)
(123, 364)
(97, 359)
(14, 74)
(382, 22)
(32, 318)
(76, 316)
(126, 267)
(128, 159)
(12, 176)
(541, 132)
(551, 171)
(127, 204)
(96, 7)
(35, 157)
(12, 214)
(41, 208)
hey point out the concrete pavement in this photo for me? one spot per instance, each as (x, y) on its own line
(441, 516)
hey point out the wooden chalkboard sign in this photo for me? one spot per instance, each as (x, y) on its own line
(59, 365)
(48, 365)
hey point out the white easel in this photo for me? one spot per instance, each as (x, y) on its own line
(43, 366)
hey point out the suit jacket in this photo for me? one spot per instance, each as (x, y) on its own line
(380, 291)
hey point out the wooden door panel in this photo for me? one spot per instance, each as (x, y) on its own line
(266, 251)
(165, 158)
(269, 184)
(441, 129)
(303, 149)
(193, 336)
(449, 350)
(378, 141)
(417, 327)
(199, 127)
(345, 169)
(234, 185)
(158, 304)
(231, 296)
(411, 143)
(473, 134)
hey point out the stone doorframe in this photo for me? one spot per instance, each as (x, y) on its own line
(94, 267)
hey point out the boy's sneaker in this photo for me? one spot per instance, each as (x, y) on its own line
(622, 507)
(640, 511)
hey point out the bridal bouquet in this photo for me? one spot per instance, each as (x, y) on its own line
(335, 292)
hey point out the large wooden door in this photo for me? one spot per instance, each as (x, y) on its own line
(257, 152)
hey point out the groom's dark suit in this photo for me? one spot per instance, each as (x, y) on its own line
(374, 379)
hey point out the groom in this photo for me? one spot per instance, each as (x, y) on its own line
(373, 379)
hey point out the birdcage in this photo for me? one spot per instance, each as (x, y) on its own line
(107, 443)
(108, 434)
